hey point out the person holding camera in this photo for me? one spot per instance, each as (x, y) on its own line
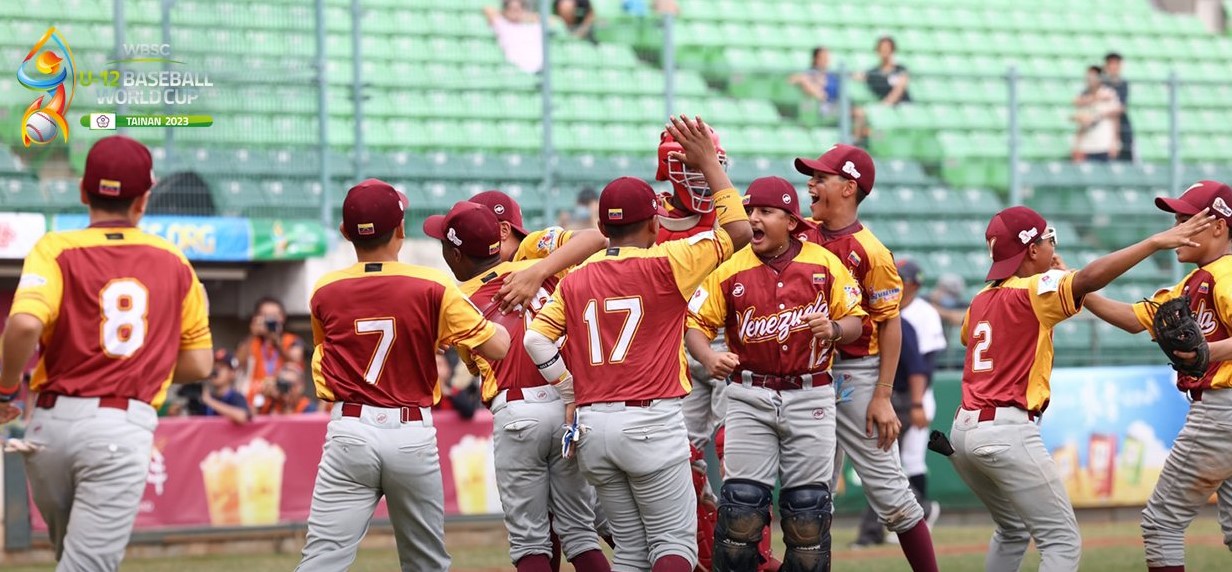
(222, 399)
(284, 395)
(267, 349)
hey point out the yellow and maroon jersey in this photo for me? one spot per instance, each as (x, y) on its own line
(376, 327)
(680, 223)
(760, 308)
(540, 243)
(1210, 297)
(117, 306)
(1008, 334)
(517, 369)
(624, 310)
(872, 264)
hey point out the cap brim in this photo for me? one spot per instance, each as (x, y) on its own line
(811, 166)
(1005, 268)
(434, 226)
(519, 230)
(1177, 206)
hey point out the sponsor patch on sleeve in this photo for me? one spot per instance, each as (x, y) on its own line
(699, 298)
(887, 295)
(31, 281)
(1049, 281)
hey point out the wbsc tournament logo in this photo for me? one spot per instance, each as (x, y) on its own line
(48, 68)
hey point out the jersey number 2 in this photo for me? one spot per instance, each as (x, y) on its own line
(125, 305)
(384, 327)
(982, 334)
(632, 307)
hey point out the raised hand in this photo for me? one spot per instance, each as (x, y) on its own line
(1181, 234)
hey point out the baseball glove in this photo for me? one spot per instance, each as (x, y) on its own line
(1177, 330)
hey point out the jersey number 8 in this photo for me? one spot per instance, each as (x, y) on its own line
(124, 304)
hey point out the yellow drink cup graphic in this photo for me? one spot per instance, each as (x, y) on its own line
(221, 475)
(260, 482)
(472, 461)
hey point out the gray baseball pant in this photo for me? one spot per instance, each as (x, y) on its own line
(881, 472)
(1198, 465)
(780, 436)
(367, 457)
(88, 476)
(638, 460)
(1006, 465)
(534, 479)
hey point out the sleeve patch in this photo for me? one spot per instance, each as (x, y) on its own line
(887, 295)
(707, 235)
(547, 241)
(31, 281)
(1049, 281)
(699, 298)
(853, 295)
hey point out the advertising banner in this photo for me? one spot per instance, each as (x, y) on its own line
(214, 239)
(276, 239)
(207, 471)
(19, 232)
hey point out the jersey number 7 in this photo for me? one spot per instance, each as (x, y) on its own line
(632, 308)
(385, 327)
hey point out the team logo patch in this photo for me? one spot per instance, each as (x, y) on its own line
(499, 209)
(381, 418)
(1203, 288)
(1222, 207)
(365, 228)
(819, 413)
(1028, 235)
(615, 214)
(108, 188)
(786, 199)
(452, 235)
(738, 290)
(1206, 318)
(494, 248)
(853, 295)
(850, 169)
(854, 258)
(548, 239)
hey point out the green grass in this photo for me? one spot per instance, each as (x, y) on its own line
(1107, 547)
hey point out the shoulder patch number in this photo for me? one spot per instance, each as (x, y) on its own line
(124, 304)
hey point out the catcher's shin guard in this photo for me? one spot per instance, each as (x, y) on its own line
(744, 511)
(806, 514)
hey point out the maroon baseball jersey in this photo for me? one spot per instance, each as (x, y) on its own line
(1210, 298)
(760, 308)
(377, 325)
(872, 264)
(1008, 334)
(517, 369)
(624, 310)
(117, 306)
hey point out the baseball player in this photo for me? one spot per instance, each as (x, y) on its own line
(1197, 466)
(120, 315)
(1008, 335)
(376, 326)
(864, 370)
(784, 304)
(531, 475)
(625, 310)
(690, 209)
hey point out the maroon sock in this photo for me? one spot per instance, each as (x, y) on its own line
(555, 562)
(534, 563)
(1166, 568)
(671, 563)
(591, 561)
(917, 545)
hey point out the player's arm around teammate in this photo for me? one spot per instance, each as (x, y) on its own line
(1199, 462)
(998, 450)
(531, 476)
(376, 326)
(119, 314)
(784, 304)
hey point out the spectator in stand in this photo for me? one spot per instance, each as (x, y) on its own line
(284, 395)
(586, 212)
(267, 348)
(579, 18)
(950, 299)
(519, 33)
(819, 83)
(1097, 113)
(221, 398)
(1113, 79)
(887, 81)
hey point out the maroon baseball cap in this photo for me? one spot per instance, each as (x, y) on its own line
(1009, 235)
(505, 208)
(1214, 195)
(118, 167)
(371, 209)
(845, 161)
(471, 227)
(628, 200)
(776, 192)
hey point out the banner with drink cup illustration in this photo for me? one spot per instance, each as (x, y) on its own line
(206, 471)
(1110, 430)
